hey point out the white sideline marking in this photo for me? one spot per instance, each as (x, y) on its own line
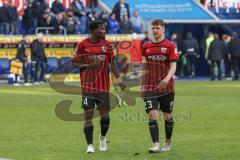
(4, 159)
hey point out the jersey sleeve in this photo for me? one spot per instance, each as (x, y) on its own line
(173, 54)
(78, 52)
(143, 50)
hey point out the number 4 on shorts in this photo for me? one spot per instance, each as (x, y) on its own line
(85, 101)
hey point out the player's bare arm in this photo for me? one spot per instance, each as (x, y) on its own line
(115, 71)
(143, 74)
(172, 70)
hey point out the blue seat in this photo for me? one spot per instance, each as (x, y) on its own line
(52, 64)
(4, 66)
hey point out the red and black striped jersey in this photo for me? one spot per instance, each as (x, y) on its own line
(97, 56)
(158, 58)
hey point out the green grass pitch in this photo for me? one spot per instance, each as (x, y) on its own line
(206, 127)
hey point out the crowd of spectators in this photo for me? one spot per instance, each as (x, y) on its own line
(221, 51)
(9, 18)
(74, 20)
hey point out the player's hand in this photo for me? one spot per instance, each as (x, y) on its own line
(122, 85)
(163, 84)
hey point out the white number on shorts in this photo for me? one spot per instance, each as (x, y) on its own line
(85, 101)
(148, 104)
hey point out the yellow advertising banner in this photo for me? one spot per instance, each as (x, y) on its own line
(8, 44)
(63, 39)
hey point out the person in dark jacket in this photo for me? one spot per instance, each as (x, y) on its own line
(39, 60)
(57, 7)
(234, 54)
(190, 51)
(215, 55)
(78, 8)
(121, 8)
(59, 24)
(28, 19)
(145, 39)
(5, 19)
(13, 19)
(39, 6)
(227, 61)
(125, 25)
(45, 20)
(180, 66)
(22, 57)
(79, 11)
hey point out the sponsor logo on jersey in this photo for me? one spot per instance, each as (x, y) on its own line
(161, 57)
(104, 49)
(97, 58)
(163, 49)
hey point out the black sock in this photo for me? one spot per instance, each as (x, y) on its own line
(153, 128)
(88, 131)
(104, 122)
(169, 128)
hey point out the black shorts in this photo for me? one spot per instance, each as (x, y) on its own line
(153, 99)
(101, 100)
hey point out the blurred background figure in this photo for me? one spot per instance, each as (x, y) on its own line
(13, 19)
(113, 25)
(137, 22)
(39, 60)
(104, 17)
(73, 24)
(125, 25)
(145, 39)
(215, 55)
(79, 11)
(28, 19)
(5, 18)
(208, 41)
(39, 11)
(57, 7)
(227, 61)
(191, 52)
(59, 24)
(180, 69)
(22, 57)
(119, 9)
(234, 54)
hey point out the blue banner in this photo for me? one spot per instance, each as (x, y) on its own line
(165, 9)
